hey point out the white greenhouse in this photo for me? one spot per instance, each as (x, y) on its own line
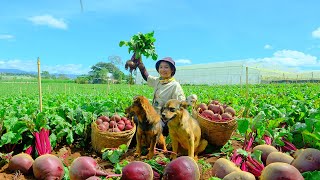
(234, 72)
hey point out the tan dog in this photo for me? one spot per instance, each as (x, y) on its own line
(149, 129)
(184, 130)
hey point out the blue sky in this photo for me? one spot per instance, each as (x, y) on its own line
(284, 33)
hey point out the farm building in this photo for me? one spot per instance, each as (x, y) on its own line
(235, 72)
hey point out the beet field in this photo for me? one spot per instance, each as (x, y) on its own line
(79, 131)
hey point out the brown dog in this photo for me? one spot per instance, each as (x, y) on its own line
(149, 129)
(184, 130)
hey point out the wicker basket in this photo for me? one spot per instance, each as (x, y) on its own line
(216, 133)
(101, 140)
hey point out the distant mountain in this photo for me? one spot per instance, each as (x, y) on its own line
(17, 71)
(13, 71)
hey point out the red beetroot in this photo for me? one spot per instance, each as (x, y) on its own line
(102, 127)
(216, 102)
(226, 116)
(104, 118)
(127, 122)
(230, 110)
(182, 168)
(112, 124)
(84, 167)
(207, 114)
(99, 121)
(121, 122)
(216, 117)
(115, 129)
(22, 162)
(106, 124)
(48, 167)
(115, 117)
(124, 118)
(216, 109)
(128, 127)
(203, 106)
(121, 127)
(137, 170)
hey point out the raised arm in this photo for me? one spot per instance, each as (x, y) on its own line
(143, 71)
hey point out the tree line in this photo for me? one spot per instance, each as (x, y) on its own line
(100, 73)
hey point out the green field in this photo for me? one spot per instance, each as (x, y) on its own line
(68, 110)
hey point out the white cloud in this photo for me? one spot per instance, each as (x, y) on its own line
(67, 69)
(286, 59)
(6, 36)
(48, 20)
(268, 46)
(31, 66)
(183, 61)
(316, 33)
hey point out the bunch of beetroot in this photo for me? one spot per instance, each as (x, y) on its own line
(114, 123)
(215, 111)
(45, 166)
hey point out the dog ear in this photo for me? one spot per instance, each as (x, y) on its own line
(136, 98)
(184, 104)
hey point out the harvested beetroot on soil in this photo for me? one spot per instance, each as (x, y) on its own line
(137, 170)
(182, 168)
(307, 160)
(84, 167)
(22, 162)
(280, 170)
(48, 167)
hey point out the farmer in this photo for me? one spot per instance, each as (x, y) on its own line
(165, 86)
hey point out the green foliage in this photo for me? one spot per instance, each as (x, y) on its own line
(69, 108)
(114, 155)
(141, 44)
(100, 73)
(204, 165)
(14, 131)
(311, 175)
(214, 178)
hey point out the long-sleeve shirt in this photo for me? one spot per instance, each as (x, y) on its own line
(164, 92)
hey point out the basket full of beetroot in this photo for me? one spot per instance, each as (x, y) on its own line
(111, 132)
(217, 121)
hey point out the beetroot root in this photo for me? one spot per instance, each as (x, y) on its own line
(84, 167)
(307, 160)
(47, 167)
(182, 168)
(137, 170)
(22, 162)
(280, 170)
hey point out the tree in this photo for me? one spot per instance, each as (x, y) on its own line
(45, 75)
(100, 72)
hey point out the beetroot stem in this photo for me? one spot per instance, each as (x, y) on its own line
(36, 134)
(42, 140)
(48, 145)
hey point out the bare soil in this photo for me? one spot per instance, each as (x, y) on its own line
(70, 153)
